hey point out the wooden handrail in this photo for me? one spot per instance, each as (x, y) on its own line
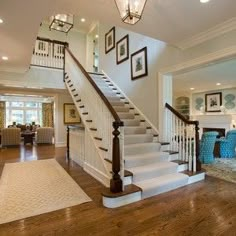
(105, 100)
(180, 116)
(116, 184)
(189, 122)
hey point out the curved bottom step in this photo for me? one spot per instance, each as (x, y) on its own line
(162, 184)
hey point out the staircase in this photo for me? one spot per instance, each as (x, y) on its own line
(146, 168)
(151, 169)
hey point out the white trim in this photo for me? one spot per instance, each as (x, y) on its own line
(211, 33)
(60, 144)
(121, 201)
(196, 178)
(98, 175)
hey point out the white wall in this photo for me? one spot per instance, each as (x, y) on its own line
(60, 127)
(143, 92)
(76, 40)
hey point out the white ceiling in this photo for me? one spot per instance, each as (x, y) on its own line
(172, 21)
(205, 79)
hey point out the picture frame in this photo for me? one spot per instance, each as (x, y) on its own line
(122, 49)
(213, 102)
(110, 40)
(71, 115)
(139, 64)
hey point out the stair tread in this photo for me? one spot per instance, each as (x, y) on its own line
(138, 135)
(142, 144)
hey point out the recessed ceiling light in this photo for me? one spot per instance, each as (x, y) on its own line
(192, 88)
(204, 1)
(218, 84)
(4, 58)
(96, 36)
(82, 20)
(1, 21)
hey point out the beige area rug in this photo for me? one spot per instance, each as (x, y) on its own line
(36, 187)
(223, 168)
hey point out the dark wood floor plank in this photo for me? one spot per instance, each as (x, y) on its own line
(204, 208)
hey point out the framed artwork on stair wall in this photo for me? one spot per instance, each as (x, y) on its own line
(110, 40)
(139, 64)
(71, 115)
(122, 49)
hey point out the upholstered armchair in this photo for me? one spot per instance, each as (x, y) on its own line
(228, 144)
(207, 145)
(10, 137)
(44, 135)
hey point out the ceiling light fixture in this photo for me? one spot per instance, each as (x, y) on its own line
(96, 36)
(130, 10)
(204, 1)
(218, 84)
(192, 88)
(1, 21)
(61, 22)
(4, 58)
(82, 20)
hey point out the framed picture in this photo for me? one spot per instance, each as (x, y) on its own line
(213, 101)
(110, 40)
(122, 49)
(71, 115)
(139, 64)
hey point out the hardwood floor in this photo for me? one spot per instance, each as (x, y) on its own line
(201, 209)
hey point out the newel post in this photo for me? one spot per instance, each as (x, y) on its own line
(116, 182)
(68, 143)
(198, 164)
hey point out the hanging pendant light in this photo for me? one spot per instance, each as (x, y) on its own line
(130, 10)
(61, 22)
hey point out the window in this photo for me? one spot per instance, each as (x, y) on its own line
(23, 112)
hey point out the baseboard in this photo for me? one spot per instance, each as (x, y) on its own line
(60, 144)
(98, 175)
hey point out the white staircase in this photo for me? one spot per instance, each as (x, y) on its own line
(152, 171)
(143, 166)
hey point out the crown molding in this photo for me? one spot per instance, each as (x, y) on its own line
(211, 33)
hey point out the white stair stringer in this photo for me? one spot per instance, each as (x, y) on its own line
(143, 157)
(102, 171)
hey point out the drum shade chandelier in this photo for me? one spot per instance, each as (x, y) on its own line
(130, 10)
(61, 22)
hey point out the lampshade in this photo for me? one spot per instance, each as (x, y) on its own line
(61, 22)
(130, 10)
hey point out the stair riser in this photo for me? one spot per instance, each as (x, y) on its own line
(126, 115)
(141, 150)
(142, 139)
(131, 122)
(134, 130)
(116, 103)
(121, 109)
(144, 161)
(164, 188)
(153, 174)
(113, 98)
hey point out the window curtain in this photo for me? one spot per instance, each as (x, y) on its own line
(47, 114)
(2, 114)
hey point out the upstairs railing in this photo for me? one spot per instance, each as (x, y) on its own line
(48, 53)
(183, 135)
(101, 116)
